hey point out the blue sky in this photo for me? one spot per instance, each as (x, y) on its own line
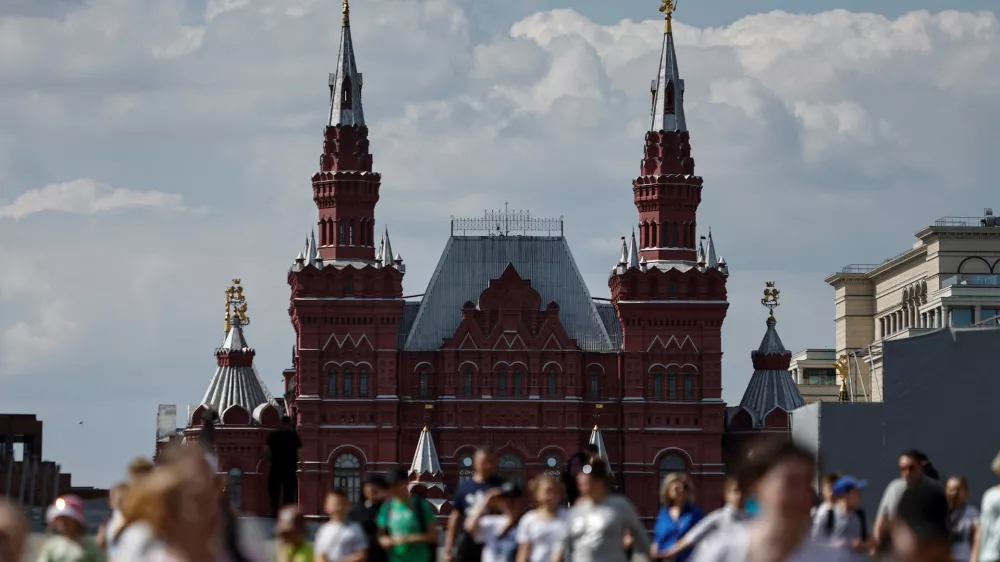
(152, 151)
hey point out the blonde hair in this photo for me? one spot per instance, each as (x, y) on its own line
(670, 479)
(139, 467)
(995, 466)
(536, 483)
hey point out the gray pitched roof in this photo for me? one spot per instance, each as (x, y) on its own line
(771, 387)
(467, 265)
(236, 384)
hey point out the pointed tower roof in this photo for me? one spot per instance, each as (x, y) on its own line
(235, 382)
(711, 260)
(311, 250)
(633, 252)
(345, 82)
(387, 255)
(597, 440)
(624, 257)
(701, 251)
(771, 385)
(668, 89)
(425, 458)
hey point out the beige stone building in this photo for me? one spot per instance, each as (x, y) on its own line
(814, 373)
(951, 275)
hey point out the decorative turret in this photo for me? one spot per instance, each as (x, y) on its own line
(771, 385)
(426, 475)
(711, 260)
(235, 383)
(597, 440)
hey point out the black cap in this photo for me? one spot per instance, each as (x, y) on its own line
(596, 468)
(923, 508)
(511, 489)
(397, 476)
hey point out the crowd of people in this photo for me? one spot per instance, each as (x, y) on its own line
(178, 511)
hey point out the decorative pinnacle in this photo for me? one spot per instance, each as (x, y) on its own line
(843, 370)
(770, 300)
(668, 8)
(236, 304)
(347, 13)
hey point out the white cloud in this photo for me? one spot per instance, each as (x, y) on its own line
(87, 197)
(801, 124)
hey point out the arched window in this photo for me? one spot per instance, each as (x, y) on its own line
(688, 386)
(654, 288)
(465, 468)
(671, 384)
(425, 383)
(668, 107)
(350, 233)
(347, 475)
(331, 382)
(672, 289)
(340, 233)
(511, 468)
(468, 381)
(345, 94)
(518, 383)
(234, 486)
(675, 235)
(595, 383)
(552, 383)
(502, 382)
(348, 383)
(653, 235)
(658, 384)
(672, 463)
(363, 382)
(349, 286)
(553, 466)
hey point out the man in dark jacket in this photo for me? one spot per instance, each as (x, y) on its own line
(283, 446)
(365, 513)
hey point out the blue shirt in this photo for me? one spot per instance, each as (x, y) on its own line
(668, 530)
(470, 493)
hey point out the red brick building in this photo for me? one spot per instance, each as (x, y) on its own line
(505, 347)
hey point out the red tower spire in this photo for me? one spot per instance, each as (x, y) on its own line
(667, 192)
(346, 189)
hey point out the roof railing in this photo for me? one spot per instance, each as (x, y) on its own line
(858, 267)
(505, 223)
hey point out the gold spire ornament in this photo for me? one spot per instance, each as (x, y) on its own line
(770, 300)
(843, 371)
(668, 8)
(236, 305)
(347, 14)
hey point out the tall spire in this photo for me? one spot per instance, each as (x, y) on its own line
(711, 260)
(633, 252)
(668, 89)
(345, 82)
(597, 440)
(425, 458)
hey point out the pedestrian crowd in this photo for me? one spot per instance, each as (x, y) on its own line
(178, 511)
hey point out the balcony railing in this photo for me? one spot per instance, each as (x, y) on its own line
(972, 279)
(973, 222)
(858, 268)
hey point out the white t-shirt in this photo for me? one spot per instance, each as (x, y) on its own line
(337, 540)
(544, 534)
(732, 546)
(497, 545)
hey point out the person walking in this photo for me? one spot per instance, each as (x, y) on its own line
(407, 528)
(987, 547)
(782, 476)
(13, 533)
(597, 523)
(826, 491)
(963, 519)
(919, 528)
(911, 470)
(69, 541)
(840, 525)
(459, 546)
(365, 513)
(678, 515)
(542, 529)
(340, 540)
(719, 520)
(290, 532)
(498, 532)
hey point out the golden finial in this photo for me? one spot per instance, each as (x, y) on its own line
(236, 305)
(595, 427)
(770, 300)
(347, 13)
(843, 371)
(668, 8)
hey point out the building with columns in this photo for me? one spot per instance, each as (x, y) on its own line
(950, 277)
(506, 346)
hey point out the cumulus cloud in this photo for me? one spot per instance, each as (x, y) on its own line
(87, 197)
(803, 126)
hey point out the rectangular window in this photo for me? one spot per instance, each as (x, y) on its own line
(363, 383)
(819, 376)
(468, 382)
(657, 385)
(961, 317)
(424, 385)
(348, 379)
(989, 316)
(518, 380)
(688, 386)
(595, 384)
(552, 384)
(331, 383)
(502, 383)
(672, 385)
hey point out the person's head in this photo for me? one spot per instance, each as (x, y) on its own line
(484, 462)
(920, 530)
(674, 489)
(291, 525)
(847, 492)
(732, 495)
(13, 532)
(995, 465)
(139, 467)
(286, 422)
(592, 480)
(66, 517)
(337, 504)
(826, 485)
(911, 465)
(546, 492)
(115, 495)
(957, 491)
(782, 477)
(397, 483)
(375, 486)
(510, 500)
(179, 500)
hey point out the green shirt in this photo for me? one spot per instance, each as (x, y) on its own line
(58, 548)
(399, 520)
(301, 553)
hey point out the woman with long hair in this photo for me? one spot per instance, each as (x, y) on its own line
(678, 515)
(963, 519)
(542, 529)
(498, 533)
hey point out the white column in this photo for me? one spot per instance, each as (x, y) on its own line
(945, 320)
(978, 314)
